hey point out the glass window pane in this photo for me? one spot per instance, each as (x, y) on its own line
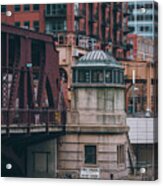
(36, 7)
(90, 154)
(48, 9)
(17, 8)
(84, 76)
(27, 24)
(97, 76)
(17, 24)
(108, 76)
(26, 7)
(3, 8)
(36, 25)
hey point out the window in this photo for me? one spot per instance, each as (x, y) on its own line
(116, 76)
(36, 25)
(90, 154)
(27, 24)
(148, 6)
(17, 8)
(108, 76)
(120, 154)
(131, 18)
(36, 7)
(3, 8)
(97, 76)
(148, 17)
(48, 7)
(26, 7)
(121, 77)
(17, 24)
(83, 76)
(141, 28)
(148, 28)
(58, 26)
(140, 17)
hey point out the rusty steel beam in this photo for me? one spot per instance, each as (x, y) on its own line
(22, 32)
(34, 62)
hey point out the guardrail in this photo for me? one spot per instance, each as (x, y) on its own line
(32, 120)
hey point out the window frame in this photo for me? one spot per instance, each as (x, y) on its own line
(16, 24)
(4, 8)
(95, 76)
(85, 78)
(120, 154)
(88, 159)
(25, 23)
(37, 28)
(34, 7)
(17, 8)
(25, 6)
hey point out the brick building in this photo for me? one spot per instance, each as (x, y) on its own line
(28, 16)
(142, 48)
(95, 25)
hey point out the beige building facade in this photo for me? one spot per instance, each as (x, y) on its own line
(96, 144)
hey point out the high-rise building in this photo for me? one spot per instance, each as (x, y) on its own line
(95, 25)
(144, 18)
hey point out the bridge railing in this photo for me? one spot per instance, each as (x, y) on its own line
(33, 118)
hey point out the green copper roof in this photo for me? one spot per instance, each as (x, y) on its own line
(98, 58)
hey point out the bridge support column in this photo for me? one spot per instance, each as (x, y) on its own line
(42, 159)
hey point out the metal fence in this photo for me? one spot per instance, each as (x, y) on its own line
(33, 117)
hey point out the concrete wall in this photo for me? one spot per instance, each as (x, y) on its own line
(98, 106)
(42, 159)
(71, 155)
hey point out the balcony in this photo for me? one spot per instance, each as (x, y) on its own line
(59, 13)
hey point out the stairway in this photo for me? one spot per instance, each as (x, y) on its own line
(132, 158)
